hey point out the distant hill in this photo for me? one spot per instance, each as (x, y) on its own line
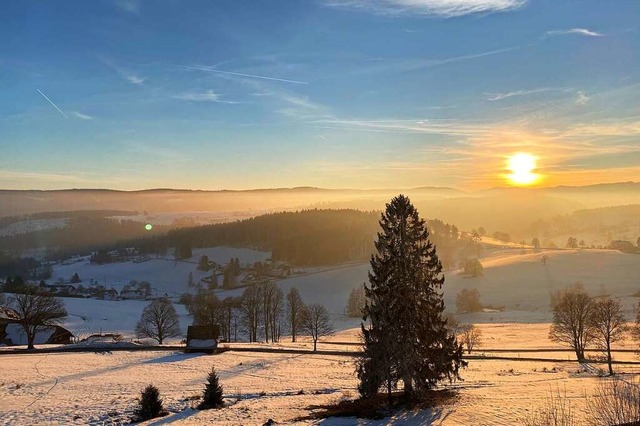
(19, 202)
(510, 210)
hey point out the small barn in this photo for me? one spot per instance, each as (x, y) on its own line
(12, 333)
(202, 338)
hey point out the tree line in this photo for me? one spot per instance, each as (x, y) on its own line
(309, 237)
(83, 233)
(263, 311)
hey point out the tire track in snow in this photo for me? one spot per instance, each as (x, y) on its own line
(38, 398)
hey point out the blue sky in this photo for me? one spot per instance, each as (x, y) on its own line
(134, 94)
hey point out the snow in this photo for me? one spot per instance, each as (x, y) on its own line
(97, 388)
(90, 316)
(519, 282)
(94, 388)
(166, 275)
(16, 333)
(32, 225)
(203, 343)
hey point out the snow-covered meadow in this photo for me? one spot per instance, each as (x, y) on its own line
(101, 388)
(166, 275)
(520, 281)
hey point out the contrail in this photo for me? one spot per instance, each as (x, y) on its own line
(242, 75)
(54, 105)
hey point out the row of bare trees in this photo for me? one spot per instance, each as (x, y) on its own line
(580, 320)
(263, 311)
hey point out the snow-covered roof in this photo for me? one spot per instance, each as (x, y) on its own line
(8, 314)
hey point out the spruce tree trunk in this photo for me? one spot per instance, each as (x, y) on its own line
(408, 385)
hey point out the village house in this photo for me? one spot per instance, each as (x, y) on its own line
(12, 332)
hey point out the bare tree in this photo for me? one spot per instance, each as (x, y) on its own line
(572, 242)
(615, 402)
(159, 320)
(635, 331)
(269, 292)
(37, 311)
(250, 309)
(607, 325)
(229, 312)
(468, 301)
(295, 308)
(276, 309)
(469, 336)
(356, 301)
(316, 323)
(557, 411)
(572, 308)
(206, 309)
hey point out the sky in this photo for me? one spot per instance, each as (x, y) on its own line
(138, 94)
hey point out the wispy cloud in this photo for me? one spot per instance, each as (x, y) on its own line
(414, 64)
(577, 31)
(126, 74)
(582, 98)
(301, 108)
(39, 176)
(435, 127)
(239, 74)
(82, 116)
(507, 95)
(54, 105)
(134, 78)
(208, 96)
(438, 8)
(129, 6)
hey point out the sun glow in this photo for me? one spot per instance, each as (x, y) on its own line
(522, 166)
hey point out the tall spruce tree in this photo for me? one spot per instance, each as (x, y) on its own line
(405, 334)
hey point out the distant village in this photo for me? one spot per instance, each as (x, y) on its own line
(228, 276)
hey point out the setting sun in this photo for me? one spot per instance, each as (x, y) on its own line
(522, 166)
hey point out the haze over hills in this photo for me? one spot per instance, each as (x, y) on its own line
(506, 209)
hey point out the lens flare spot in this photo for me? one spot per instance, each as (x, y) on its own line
(148, 227)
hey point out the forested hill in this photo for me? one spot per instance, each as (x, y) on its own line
(304, 238)
(308, 237)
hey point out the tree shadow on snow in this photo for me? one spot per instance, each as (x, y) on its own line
(174, 357)
(429, 416)
(427, 408)
(172, 418)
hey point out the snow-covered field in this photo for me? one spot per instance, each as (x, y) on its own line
(520, 282)
(90, 316)
(32, 225)
(101, 388)
(164, 274)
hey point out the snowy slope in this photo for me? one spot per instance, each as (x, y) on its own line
(101, 388)
(164, 274)
(89, 316)
(521, 283)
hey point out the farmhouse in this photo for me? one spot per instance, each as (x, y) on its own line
(624, 246)
(12, 333)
